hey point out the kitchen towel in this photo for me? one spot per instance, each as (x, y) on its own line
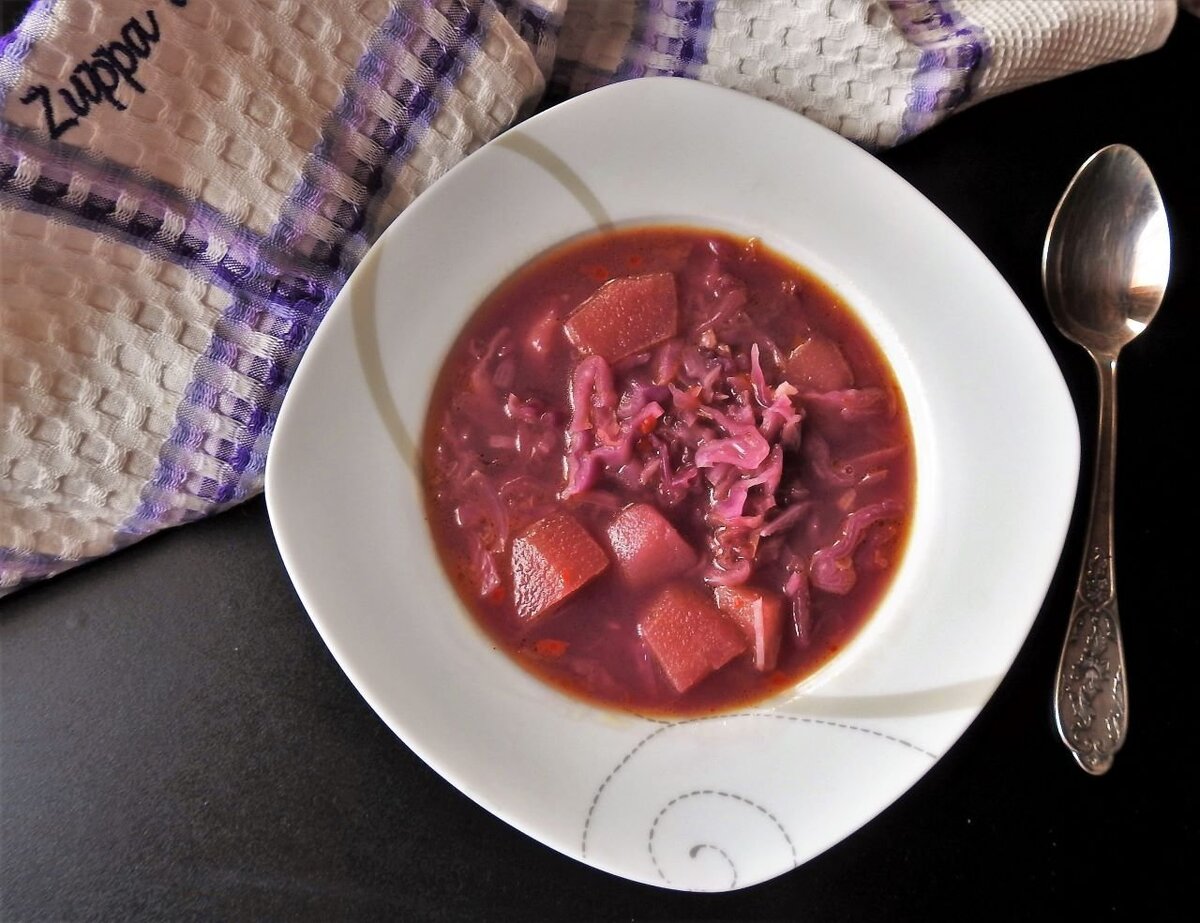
(185, 185)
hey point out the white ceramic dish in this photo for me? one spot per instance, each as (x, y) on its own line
(716, 803)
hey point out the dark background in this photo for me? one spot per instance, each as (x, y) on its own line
(176, 742)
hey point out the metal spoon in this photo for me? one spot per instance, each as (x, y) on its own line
(1104, 271)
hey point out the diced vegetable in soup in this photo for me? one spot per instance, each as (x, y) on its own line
(646, 547)
(625, 316)
(758, 614)
(688, 636)
(668, 470)
(550, 561)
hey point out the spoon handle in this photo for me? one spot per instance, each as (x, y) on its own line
(1090, 695)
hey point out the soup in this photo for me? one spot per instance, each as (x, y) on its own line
(667, 470)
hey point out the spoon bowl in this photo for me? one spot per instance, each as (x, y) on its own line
(1105, 268)
(1108, 252)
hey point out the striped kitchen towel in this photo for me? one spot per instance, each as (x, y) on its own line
(186, 184)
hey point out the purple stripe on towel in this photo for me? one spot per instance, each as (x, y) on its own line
(420, 100)
(537, 26)
(697, 19)
(235, 465)
(952, 52)
(531, 20)
(159, 220)
(15, 45)
(400, 140)
(668, 38)
(640, 49)
(17, 566)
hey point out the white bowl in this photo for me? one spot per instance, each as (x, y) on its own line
(714, 803)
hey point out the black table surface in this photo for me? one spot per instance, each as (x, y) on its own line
(177, 743)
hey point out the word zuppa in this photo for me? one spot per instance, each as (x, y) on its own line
(95, 80)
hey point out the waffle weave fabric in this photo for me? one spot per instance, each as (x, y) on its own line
(185, 185)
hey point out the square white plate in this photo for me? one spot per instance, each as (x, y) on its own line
(714, 803)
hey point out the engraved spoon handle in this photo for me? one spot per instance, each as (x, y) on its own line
(1090, 695)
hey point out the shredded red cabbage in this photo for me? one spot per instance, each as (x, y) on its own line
(832, 567)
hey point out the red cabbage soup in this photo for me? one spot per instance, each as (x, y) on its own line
(668, 470)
